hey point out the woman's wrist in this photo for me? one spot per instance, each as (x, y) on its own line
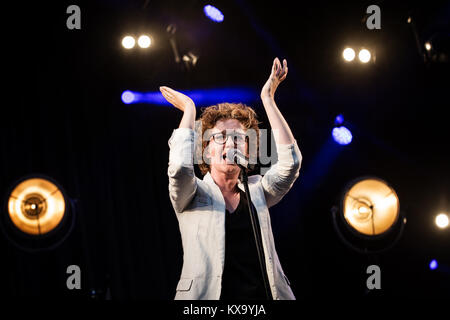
(188, 120)
(267, 99)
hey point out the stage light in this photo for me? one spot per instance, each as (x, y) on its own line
(128, 42)
(342, 135)
(38, 214)
(428, 46)
(128, 97)
(348, 54)
(371, 207)
(201, 97)
(144, 41)
(369, 215)
(442, 220)
(364, 55)
(213, 13)
(36, 206)
(339, 119)
(433, 264)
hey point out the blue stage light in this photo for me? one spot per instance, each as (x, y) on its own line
(203, 97)
(213, 13)
(127, 97)
(342, 135)
(433, 264)
(339, 119)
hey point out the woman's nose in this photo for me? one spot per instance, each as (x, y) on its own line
(230, 142)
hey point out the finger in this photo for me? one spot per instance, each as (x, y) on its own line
(172, 102)
(284, 71)
(280, 69)
(168, 97)
(274, 66)
(280, 72)
(276, 62)
(170, 90)
(284, 64)
(166, 93)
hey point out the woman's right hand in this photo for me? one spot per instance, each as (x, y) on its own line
(177, 99)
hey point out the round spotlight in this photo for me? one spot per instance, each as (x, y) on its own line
(128, 42)
(368, 218)
(339, 119)
(348, 54)
(364, 55)
(39, 215)
(128, 97)
(213, 13)
(428, 46)
(342, 135)
(36, 206)
(144, 41)
(433, 264)
(371, 207)
(442, 220)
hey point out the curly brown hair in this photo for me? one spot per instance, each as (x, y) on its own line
(224, 111)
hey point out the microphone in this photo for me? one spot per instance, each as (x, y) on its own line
(239, 158)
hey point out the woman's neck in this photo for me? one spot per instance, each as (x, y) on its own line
(227, 182)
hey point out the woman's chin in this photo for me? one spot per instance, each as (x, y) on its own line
(227, 167)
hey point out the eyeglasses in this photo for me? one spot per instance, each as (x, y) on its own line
(221, 138)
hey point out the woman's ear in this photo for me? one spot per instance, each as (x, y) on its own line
(207, 155)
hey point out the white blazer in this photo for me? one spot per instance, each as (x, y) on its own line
(200, 209)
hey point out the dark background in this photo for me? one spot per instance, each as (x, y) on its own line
(62, 116)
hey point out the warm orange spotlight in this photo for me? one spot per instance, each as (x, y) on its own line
(371, 207)
(36, 206)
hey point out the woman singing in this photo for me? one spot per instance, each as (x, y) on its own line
(220, 253)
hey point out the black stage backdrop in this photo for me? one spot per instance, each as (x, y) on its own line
(62, 116)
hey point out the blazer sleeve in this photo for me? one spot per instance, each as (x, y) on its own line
(182, 180)
(281, 176)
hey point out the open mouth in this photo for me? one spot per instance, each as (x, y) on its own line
(226, 159)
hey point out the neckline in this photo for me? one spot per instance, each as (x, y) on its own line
(239, 204)
(208, 178)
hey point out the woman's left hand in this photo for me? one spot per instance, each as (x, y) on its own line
(277, 75)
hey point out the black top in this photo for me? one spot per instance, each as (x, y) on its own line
(241, 278)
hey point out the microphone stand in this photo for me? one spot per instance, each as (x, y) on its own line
(256, 232)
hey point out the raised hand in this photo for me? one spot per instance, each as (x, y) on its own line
(177, 99)
(277, 75)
